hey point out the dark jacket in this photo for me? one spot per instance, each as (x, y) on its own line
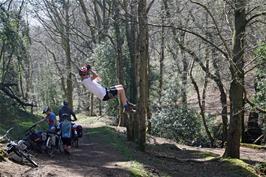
(65, 113)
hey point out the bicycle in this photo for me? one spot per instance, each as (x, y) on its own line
(19, 148)
(54, 142)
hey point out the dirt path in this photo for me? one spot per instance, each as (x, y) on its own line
(247, 154)
(96, 158)
(92, 158)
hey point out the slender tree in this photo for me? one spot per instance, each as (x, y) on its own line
(237, 84)
(143, 71)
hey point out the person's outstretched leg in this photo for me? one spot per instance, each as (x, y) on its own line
(122, 95)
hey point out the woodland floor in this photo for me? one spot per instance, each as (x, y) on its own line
(102, 155)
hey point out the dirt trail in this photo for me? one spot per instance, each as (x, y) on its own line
(92, 158)
(247, 154)
(95, 158)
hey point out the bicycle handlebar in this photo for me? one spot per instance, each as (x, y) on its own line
(5, 136)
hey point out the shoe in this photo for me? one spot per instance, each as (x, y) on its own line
(129, 109)
(131, 105)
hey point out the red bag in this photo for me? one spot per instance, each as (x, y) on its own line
(79, 131)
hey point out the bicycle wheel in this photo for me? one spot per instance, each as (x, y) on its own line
(26, 156)
(49, 146)
(60, 145)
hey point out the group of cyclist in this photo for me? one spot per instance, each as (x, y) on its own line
(64, 123)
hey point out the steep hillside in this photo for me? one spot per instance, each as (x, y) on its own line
(12, 115)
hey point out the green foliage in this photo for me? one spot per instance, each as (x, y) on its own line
(239, 168)
(260, 97)
(49, 89)
(137, 170)
(14, 42)
(260, 82)
(261, 168)
(180, 124)
(104, 58)
(14, 116)
(2, 154)
(13, 39)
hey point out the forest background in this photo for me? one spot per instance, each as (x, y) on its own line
(194, 68)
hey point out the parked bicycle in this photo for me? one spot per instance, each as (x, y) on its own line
(54, 142)
(19, 148)
(44, 141)
(36, 139)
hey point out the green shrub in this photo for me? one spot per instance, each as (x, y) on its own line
(12, 115)
(261, 169)
(181, 124)
(260, 81)
(104, 62)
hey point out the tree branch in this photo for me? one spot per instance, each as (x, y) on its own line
(149, 6)
(215, 24)
(5, 88)
(255, 16)
(195, 34)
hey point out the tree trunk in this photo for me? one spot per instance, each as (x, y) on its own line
(119, 59)
(149, 113)
(253, 131)
(223, 96)
(143, 72)
(91, 105)
(184, 80)
(237, 84)
(100, 108)
(66, 40)
(161, 61)
(131, 34)
(202, 103)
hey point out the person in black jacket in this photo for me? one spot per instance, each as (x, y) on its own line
(65, 112)
(65, 125)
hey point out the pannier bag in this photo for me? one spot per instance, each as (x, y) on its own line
(79, 131)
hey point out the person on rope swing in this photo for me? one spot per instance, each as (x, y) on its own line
(103, 93)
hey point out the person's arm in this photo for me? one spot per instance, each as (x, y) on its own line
(74, 115)
(94, 75)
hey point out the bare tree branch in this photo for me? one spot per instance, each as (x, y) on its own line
(87, 20)
(5, 88)
(3, 3)
(149, 6)
(216, 26)
(195, 34)
(255, 16)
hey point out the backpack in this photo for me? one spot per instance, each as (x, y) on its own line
(65, 129)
